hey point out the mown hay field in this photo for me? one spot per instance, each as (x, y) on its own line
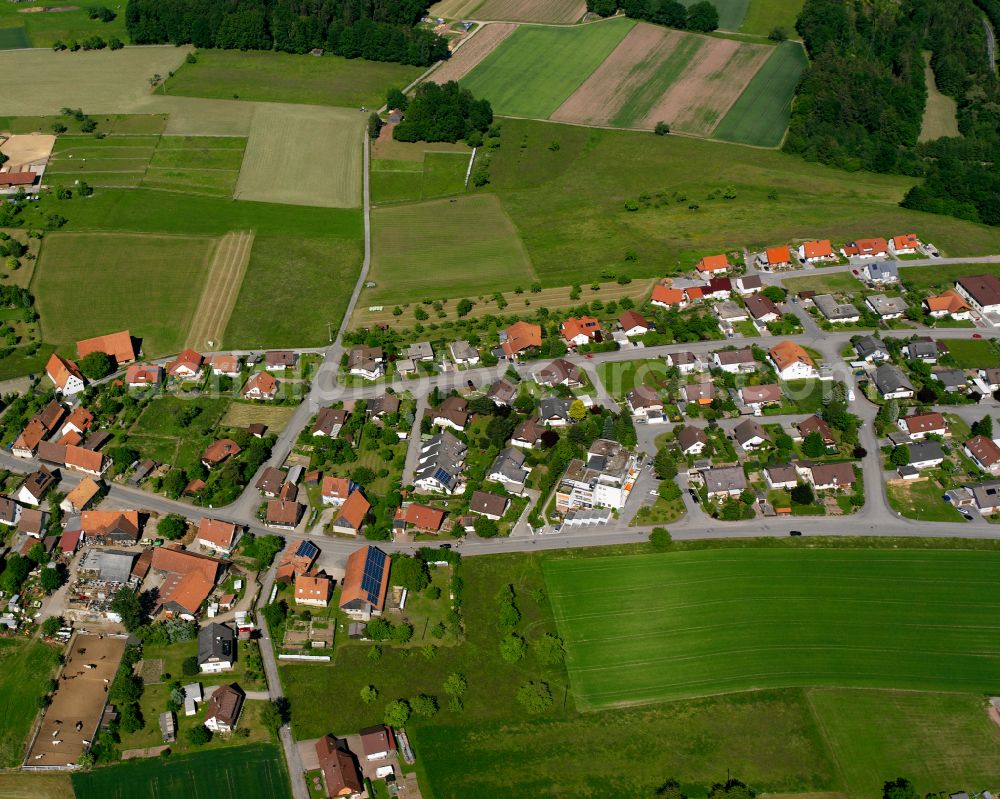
(656, 74)
(238, 772)
(662, 627)
(534, 70)
(303, 155)
(89, 284)
(36, 82)
(25, 670)
(457, 247)
(763, 16)
(244, 414)
(760, 115)
(941, 112)
(22, 785)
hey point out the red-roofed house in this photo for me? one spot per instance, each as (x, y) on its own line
(118, 345)
(65, 375)
(261, 386)
(866, 248)
(634, 324)
(713, 265)
(219, 536)
(225, 365)
(948, 303)
(187, 364)
(775, 257)
(906, 244)
(580, 330)
(336, 490)
(313, 590)
(86, 460)
(353, 513)
(813, 251)
(519, 337)
(140, 375)
(422, 517)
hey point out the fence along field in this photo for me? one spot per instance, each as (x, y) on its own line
(760, 116)
(656, 628)
(657, 74)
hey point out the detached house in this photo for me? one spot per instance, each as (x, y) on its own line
(528, 434)
(260, 386)
(558, 373)
(313, 590)
(866, 248)
(336, 490)
(509, 470)
(759, 397)
(692, 440)
(984, 452)
(65, 375)
(828, 476)
(923, 349)
(119, 346)
(329, 422)
(224, 708)
(224, 365)
(634, 324)
(870, 349)
(219, 451)
(463, 353)
(645, 403)
(921, 425)
(750, 435)
(982, 292)
(814, 251)
(948, 303)
(452, 413)
(762, 309)
(734, 361)
(502, 392)
(836, 312)
(748, 284)
(698, 393)
(577, 331)
(892, 383)
(279, 360)
(350, 520)
(485, 503)
(142, 375)
(216, 648)
(366, 362)
(813, 424)
(713, 265)
(35, 486)
(792, 362)
(906, 244)
(340, 770)
(724, 481)
(886, 307)
(366, 582)
(219, 536)
(685, 362)
(186, 365)
(775, 258)
(520, 337)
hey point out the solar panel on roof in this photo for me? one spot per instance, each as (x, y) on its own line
(442, 476)
(307, 549)
(371, 578)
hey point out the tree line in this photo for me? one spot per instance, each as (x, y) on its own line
(378, 31)
(701, 17)
(861, 100)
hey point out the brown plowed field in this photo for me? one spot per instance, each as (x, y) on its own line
(554, 11)
(655, 74)
(479, 45)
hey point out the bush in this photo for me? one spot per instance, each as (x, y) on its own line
(535, 696)
(199, 735)
(661, 129)
(189, 666)
(660, 538)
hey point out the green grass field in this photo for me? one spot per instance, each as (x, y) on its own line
(585, 229)
(41, 29)
(444, 248)
(239, 772)
(25, 670)
(621, 377)
(970, 353)
(760, 115)
(309, 268)
(937, 740)
(942, 276)
(703, 623)
(923, 500)
(438, 175)
(535, 69)
(287, 78)
(90, 284)
(763, 16)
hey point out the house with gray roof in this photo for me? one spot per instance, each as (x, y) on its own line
(870, 349)
(554, 412)
(952, 379)
(508, 468)
(440, 464)
(724, 481)
(463, 353)
(836, 312)
(886, 307)
(892, 383)
(216, 648)
(881, 273)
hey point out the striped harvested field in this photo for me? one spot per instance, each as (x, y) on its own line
(218, 298)
(563, 12)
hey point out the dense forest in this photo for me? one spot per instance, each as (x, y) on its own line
(702, 16)
(379, 31)
(441, 113)
(861, 100)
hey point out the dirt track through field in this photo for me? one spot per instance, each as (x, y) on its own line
(655, 74)
(218, 298)
(468, 56)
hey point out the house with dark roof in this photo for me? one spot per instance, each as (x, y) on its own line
(559, 372)
(892, 383)
(35, 486)
(827, 476)
(757, 397)
(527, 434)
(645, 402)
(554, 411)
(984, 452)
(982, 292)
(750, 435)
(724, 481)
(216, 648)
(634, 324)
(870, 349)
(377, 742)
(924, 349)
(440, 464)
(692, 440)
(341, 776)
(329, 422)
(224, 708)
(219, 451)
(813, 424)
(270, 482)
(492, 506)
(502, 392)
(508, 468)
